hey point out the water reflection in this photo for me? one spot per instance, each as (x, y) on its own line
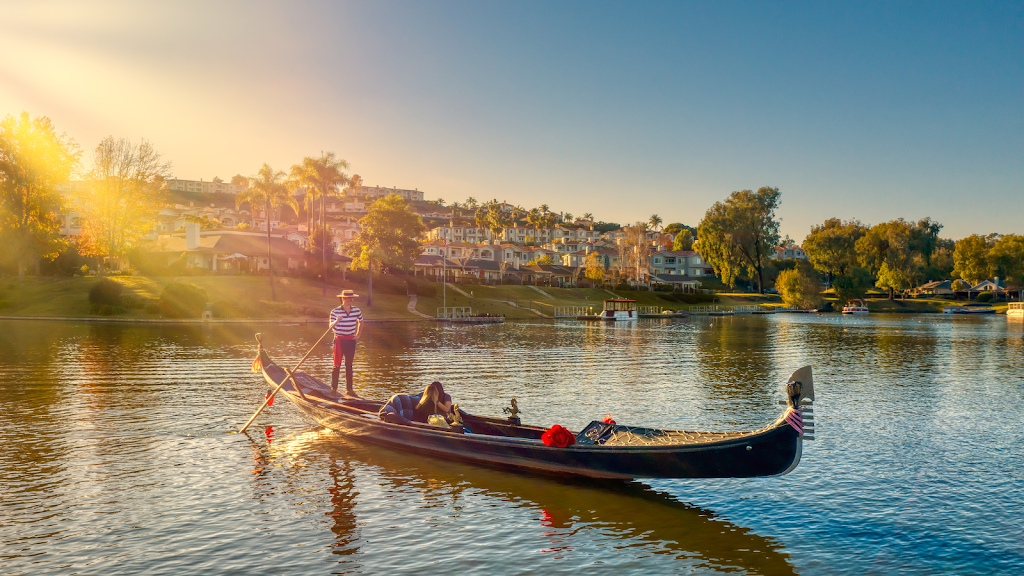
(566, 514)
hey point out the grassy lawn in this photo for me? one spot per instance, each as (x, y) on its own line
(69, 297)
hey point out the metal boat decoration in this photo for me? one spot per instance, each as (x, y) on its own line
(603, 449)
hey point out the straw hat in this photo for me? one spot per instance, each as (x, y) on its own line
(348, 294)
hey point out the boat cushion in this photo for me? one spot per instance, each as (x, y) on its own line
(404, 405)
(401, 405)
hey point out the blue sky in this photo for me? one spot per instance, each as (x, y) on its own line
(856, 110)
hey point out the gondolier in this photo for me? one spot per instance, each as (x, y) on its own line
(348, 326)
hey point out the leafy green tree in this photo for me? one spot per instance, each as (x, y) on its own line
(831, 247)
(738, 235)
(970, 259)
(888, 244)
(924, 238)
(960, 286)
(892, 278)
(1006, 258)
(268, 191)
(799, 290)
(321, 177)
(388, 238)
(675, 228)
(853, 284)
(683, 240)
(34, 160)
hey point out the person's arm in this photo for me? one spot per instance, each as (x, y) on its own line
(359, 325)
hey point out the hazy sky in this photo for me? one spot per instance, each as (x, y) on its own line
(853, 109)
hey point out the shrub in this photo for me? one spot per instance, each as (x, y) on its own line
(152, 308)
(985, 297)
(106, 291)
(181, 300)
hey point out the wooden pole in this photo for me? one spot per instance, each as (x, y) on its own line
(288, 377)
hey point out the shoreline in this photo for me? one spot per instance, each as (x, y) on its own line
(200, 321)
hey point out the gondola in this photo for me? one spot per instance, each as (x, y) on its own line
(600, 450)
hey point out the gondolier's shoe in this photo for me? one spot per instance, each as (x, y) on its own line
(334, 378)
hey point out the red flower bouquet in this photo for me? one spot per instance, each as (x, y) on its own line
(558, 436)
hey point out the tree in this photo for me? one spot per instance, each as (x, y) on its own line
(387, 238)
(471, 203)
(239, 180)
(654, 221)
(683, 240)
(121, 197)
(854, 283)
(440, 201)
(595, 268)
(1007, 258)
(924, 238)
(354, 185)
(888, 244)
(567, 217)
(321, 177)
(588, 217)
(737, 235)
(545, 260)
(503, 266)
(544, 208)
(832, 247)
(268, 191)
(633, 251)
(892, 278)
(34, 160)
(534, 218)
(799, 290)
(675, 228)
(970, 259)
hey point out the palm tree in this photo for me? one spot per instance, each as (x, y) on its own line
(588, 216)
(440, 201)
(655, 221)
(544, 208)
(322, 177)
(355, 184)
(534, 218)
(567, 217)
(470, 203)
(456, 209)
(267, 189)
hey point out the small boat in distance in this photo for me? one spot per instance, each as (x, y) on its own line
(969, 309)
(1015, 311)
(855, 306)
(619, 309)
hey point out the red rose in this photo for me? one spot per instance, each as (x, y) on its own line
(558, 436)
(608, 419)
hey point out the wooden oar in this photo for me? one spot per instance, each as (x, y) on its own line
(288, 376)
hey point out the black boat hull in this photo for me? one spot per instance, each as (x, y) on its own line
(771, 451)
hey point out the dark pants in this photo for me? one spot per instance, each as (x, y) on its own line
(343, 349)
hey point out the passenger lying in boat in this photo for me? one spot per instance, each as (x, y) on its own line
(405, 408)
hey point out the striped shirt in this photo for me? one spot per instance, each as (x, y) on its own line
(346, 327)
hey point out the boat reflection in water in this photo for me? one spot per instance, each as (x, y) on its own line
(569, 513)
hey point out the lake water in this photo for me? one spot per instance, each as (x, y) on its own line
(117, 456)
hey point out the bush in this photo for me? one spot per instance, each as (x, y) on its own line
(106, 291)
(152, 308)
(131, 301)
(985, 297)
(181, 300)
